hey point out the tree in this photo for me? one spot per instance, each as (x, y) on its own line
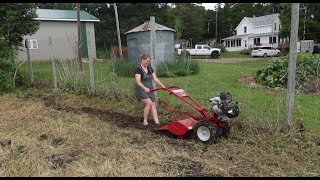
(66, 6)
(193, 23)
(16, 21)
(309, 21)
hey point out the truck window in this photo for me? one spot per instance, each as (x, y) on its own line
(199, 47)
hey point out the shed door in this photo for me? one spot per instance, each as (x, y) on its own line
(84, 41)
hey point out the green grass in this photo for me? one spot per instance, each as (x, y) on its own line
(257, 104)
(234, 55)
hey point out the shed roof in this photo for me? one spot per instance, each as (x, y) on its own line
(146, 27)
(63, 15)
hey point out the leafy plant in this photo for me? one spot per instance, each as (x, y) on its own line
(275, 74)
(6, 67)
(246, 51)
(221, 46)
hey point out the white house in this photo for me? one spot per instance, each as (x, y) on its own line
(262, 30)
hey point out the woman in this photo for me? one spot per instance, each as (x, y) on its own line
(144, 75)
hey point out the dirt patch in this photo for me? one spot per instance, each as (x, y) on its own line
(313, 85)
(77, 135)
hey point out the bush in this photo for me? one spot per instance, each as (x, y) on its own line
(246, 51)
(275, 74)
(178, 68)
(222, 47)
(103, 53)
(7, 67)
(123, 67)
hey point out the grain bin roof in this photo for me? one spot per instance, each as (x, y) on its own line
(63, 15)
(146, 27)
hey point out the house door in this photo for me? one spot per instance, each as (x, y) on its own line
(84, 42)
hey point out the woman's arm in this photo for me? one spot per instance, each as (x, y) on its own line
(155, 78)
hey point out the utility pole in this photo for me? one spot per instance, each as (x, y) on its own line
(209, 25)
(118, 30)
(216, 26)
(304, 22)
(79, 39)
(292, 63)
(152, 42)
(153, 39)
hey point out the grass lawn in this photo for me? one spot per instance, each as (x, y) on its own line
(60, 133)
(257, 103)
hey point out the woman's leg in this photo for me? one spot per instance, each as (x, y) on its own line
(154, 113)
(146, 110)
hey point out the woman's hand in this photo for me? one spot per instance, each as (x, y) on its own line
(147, 90)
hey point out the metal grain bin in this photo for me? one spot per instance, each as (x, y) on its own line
(138, 42)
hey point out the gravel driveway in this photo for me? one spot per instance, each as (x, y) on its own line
(233, 60)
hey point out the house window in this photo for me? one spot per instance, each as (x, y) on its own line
(238, 42)
(279, 26)
(275, 26)
(256, 40)
(245, 29)
(272, 40)
(232, 43)
(245, 43)
(33, 44)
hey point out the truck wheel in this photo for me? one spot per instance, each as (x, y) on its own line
(265, 55)
(278, 54)
(214, 55)
(205, 132)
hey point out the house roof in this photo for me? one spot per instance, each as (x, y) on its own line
(263, 20)
(146, 27)
(63, 15)
(251, 35)
(235, 36)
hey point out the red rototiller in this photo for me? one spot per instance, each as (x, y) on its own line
(206, 126)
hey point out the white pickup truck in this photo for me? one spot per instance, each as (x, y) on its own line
(201, 50)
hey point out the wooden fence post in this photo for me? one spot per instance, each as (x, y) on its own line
(92, 88)
(29, 61)
(54, 70)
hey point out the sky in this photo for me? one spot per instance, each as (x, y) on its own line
(209, 5)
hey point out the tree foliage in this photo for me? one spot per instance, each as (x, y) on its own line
(190, 20)
(16, 21)
(309, 21)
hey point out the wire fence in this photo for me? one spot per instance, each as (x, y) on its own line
(61, 70)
